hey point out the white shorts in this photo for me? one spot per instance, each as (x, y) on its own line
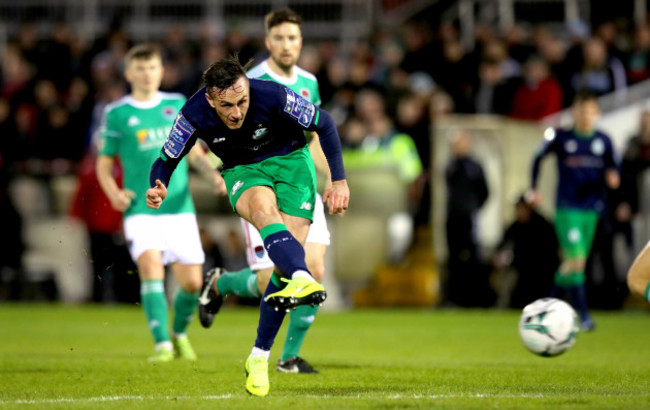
(256, 254)
(176, 236)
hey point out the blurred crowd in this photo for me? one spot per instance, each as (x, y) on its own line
(382, 91)
(53, 85)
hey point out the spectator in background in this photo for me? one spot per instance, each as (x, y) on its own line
(530, 246)
(493, 93)
(638, 59)
(114, 278)
(11, 268)
(600, 73)
(496, 50)
(539, 94)
(608, 33)
(517, 43)
(551, 49)
(454, 73)
(634, 167)
(413, 120)
(467, 191)
(380, 146)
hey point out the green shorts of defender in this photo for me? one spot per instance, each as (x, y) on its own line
(292, 177)
(575, 230)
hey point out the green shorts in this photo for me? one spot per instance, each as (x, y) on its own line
(575, 230)
(292, 177)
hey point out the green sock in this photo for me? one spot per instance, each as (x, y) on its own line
(647, 292)
(241, 283)
(154, 303)
(299, 322)
(184, 307)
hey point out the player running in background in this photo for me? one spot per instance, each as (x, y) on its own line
(586, 168)
(284, 42)
(257, 129)
(134, 129)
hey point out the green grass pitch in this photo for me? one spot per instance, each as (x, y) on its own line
(59, 357)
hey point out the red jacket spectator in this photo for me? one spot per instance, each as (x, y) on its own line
(90, 204)
(539, 95)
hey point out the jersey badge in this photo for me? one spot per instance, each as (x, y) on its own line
(598, 147)
(571, 146)
(260, 133)
(169, 112)
(133, 121)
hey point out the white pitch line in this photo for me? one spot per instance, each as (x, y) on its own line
(307, 396)
(112, 398)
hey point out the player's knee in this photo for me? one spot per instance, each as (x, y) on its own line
(193, 285)
(262, 216)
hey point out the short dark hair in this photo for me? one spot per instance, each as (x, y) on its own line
(585, 95)
(142, 52)
(284, 15)
(224, 73)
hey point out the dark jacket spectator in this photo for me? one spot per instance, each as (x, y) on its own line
(530, 246)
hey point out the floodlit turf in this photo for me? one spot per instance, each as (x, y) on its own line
(94, 357)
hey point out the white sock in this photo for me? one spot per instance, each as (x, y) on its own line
(167, 344)
(302, 274)
(259, 352)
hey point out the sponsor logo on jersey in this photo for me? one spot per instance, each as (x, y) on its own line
(236, 187)
(260, 133)
(133, 121)
(299, 108)
(142, 135)
(217, 140)
(306, 205)
(259, 251)
(151, 137)
(169, 112)
(598, 147)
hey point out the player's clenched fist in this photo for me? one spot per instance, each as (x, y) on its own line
(156, 195)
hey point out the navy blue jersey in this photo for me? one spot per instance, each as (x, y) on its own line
(582, 162)
(273, 126)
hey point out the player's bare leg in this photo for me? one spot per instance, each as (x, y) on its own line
(638, 276)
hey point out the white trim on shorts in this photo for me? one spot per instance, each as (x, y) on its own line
(256, 254)
(175, 235)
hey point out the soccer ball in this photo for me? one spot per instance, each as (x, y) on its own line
(548, 327)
